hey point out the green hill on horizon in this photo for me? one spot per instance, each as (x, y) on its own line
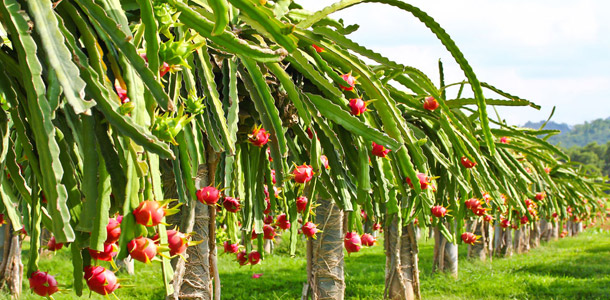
(580, 135)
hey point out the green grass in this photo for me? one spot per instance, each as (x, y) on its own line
(571, 268)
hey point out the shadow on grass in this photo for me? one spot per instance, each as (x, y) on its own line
(570, 288)
(280, 283)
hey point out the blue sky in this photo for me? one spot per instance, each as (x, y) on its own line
(554, 53)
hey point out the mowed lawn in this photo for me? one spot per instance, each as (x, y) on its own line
(571, 268)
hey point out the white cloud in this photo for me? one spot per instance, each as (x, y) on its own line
(551, 52)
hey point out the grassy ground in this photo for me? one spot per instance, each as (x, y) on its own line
(571, 268)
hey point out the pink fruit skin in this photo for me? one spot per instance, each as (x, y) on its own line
(230, 248)
(309, 229)
(424, 181)
(352, 242)
(379, 150)
(357, 106)
(142, 249)
(149, 213)
(303, 174)
(53, 245)
(231, 204)
(177, 242)
(469, 238)
(467, 163)
(259, 137)
(368, 240)
(208, 195)
(101, 280)
(283, 222)
(242, 258)
(472, 203)
(268, 232)
(43, 284)
(113, 230)
(301, 204)
(324, 160)
(351, 80)
(438, 211)
(109, 252)
(254, 257)
(430, 103)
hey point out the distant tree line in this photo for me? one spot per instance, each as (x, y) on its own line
(587, 144)
(579, 135)
(594, 157)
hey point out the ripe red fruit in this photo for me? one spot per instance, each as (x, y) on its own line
(505, 223)
(309, 229)
(324, 161)
(469, 238)
(121, 92)
(254, 257)
(242, 258)
(317, 48)
(208, 195)
(379, 150)
(352, 242)
(430, 103)
(301, 204)
(268, 219)
(479, 211)
(273, 176)
(547, 170)
(230, 248)
(554, 215)
(43, 284)
(231, 204)
(424, 181)
(351, 80)
(177, 242)
(164, 69)
(268, 207)
(467, 163)
(438, 211)
(529, 202)
(110, 251)
(309, 133)
(54, 245)
(142, 249)
(283, 222)
(113, 229)
(504, 140)
(540, 196)
(101, 280)
(357, 106)
(303, 173)
(149, 213)
(363, 214)
(488, 218)
(376, 226)
(524, 220)
(472, 203)
(259, 137)
(368, 240)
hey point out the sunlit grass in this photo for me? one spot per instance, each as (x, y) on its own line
(571, 268)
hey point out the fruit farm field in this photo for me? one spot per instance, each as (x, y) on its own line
(571, 268)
